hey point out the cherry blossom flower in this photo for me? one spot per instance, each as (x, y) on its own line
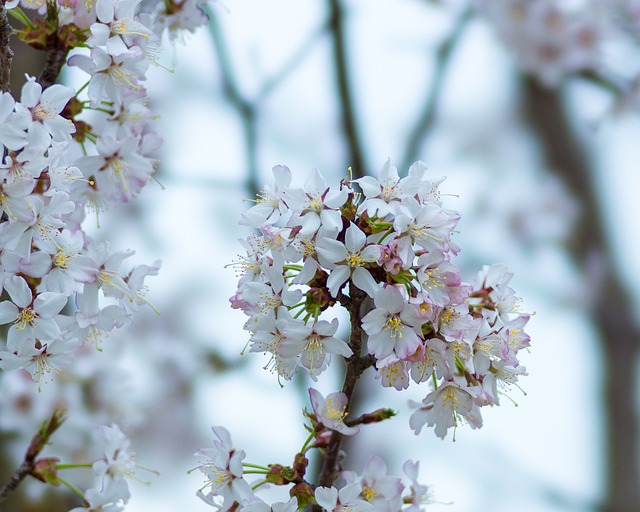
(392, 326)
(223, 468)
(315, 346)
(347, 261)
(446, 407)
(331, 411)
(343, 500)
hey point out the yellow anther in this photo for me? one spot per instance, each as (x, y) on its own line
(26, 317)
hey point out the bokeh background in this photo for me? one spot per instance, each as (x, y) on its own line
(545, 178)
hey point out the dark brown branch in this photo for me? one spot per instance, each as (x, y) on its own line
(611, 310)
(56, 58)
(427, 116)
(356, 365)
(57, 50)
(349, 123)
(38, 442)
(6, 55)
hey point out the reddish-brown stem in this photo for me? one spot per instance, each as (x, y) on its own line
(356, 365)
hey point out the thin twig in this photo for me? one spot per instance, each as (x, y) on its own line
(349, 123)
(38, 442)
(6, 54)
(246, 109)
(427, 116)
(292, 64)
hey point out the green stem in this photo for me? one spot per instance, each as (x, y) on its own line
(70, 466)
(20, 15)
(305, 445)
(255, 466)
(72, 487)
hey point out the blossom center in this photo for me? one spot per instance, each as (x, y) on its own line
(335, 414)
(26, 317)
(395, 325)
(355, 260)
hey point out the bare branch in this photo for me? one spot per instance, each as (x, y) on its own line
(38, 442)
(356, 365)
(6, 55)
(349, 123)
(611, 310)
(427, 116)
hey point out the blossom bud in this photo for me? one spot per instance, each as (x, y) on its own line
(45, 470)
(300, 464)
(304, 494)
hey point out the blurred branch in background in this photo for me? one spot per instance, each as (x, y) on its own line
(341, 66)
(427, 117)
(248, 110)
(610, 304)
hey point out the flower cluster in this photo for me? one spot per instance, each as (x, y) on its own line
(63, 156)
(550, 41)
(372, 490)
(386, 255)
(111, 491)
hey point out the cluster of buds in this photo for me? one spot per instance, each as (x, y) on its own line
(386, 255)
(66, 152)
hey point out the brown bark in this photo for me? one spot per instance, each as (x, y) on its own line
(610, 311)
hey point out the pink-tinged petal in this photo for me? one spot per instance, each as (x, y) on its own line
(316, 398)
(7, 104)
(371, 253)
(290, 347)
(336, 346)
(335, 199)
(330, 250)
(19, 291)
(374, 321)
(8, 312)
(224, 436)
(315, 182)
(327, 497)
(282, 176)
(83, 62)
(324, 328)
(374, 468)
(115, 46)
(46, 329)
(104, 10)
(100, 34)
(370, 186)
(390, 299)
(379, 345)
(354, 238)
(38, 265)
(365, 281)
(331, 220)
(57, 96)
(31, 91)
(17, 337)
(408, 344)
(235, 462)
(349, 493)
(337, 278)
(48, 304)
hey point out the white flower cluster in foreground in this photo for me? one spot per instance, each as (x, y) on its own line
(62, 155)
(320, 246)
(371, 490)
